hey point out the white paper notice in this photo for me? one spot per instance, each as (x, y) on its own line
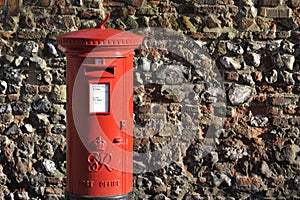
(99, 98)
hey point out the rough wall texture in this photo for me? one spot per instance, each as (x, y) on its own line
(253, 45)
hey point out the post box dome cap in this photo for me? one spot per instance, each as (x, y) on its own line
(101, 37)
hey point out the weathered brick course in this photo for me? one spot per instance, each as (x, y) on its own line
(276, 12)
(13, 7)
(2, 2)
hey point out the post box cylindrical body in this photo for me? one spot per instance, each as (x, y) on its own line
(99, 112)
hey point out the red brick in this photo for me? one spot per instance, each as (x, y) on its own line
(45, 88)
(2, 2)
(281, 122)
(223, 2)
(67, 11)
(154, 2)
(216, 9)
(13, 7)
(211, 2)
(20, 118)
(277, 181)
(32, 89)
(276, 12)
(54, 190)
(255, 132)
(208, 35)
(247, 23)
(13, 97)
(275, 111)
(138, 3)
(265, 88)
(113, 4)
(260, 109)
(234, 9)
(45, 3)
(284, 100)
(270, 3)
(258, 76)
(247, 181)
(289, 110)
(60, 2)
(260, 98)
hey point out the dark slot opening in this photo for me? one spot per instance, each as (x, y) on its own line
(98, 69)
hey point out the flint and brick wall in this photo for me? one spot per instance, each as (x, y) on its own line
(253, 44)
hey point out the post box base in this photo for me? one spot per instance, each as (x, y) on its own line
(70, 196)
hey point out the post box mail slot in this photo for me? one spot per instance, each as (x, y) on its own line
(99, 112)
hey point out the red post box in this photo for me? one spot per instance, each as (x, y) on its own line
(99, 112)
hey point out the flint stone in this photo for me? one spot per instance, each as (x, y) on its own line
(169, 130)
(297, 77)
(272, 76)
(47, 77)
(218, 180)
(230, 62)
(288, 46)
(54, 197)
(48, 150)
(42, 119)
(3, 87)
(248, 79)
(221, 48)
(52, 50)
(59, 76)
(287, 77)
(131, 22)
(28, 128)
(13, 130)
(13, 75)
(288, 61)
(265, 170)
(18, 60)
(255, 59)
(234, 153)
(240, 94)
(9, 58)
(59, 93)
(20, 108)
(173, 93)
(144, 64)
(5, 108)
(235, 48)
(88, 24)
(273, 46)
(42, 105)
(59, 129)
(259, 121)
(171, 74)
(31, 47)
(39, 62)
(293, 132)
(13, 89)
(22, 195)
(49, 166)
(290, 153)
(160, 197)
